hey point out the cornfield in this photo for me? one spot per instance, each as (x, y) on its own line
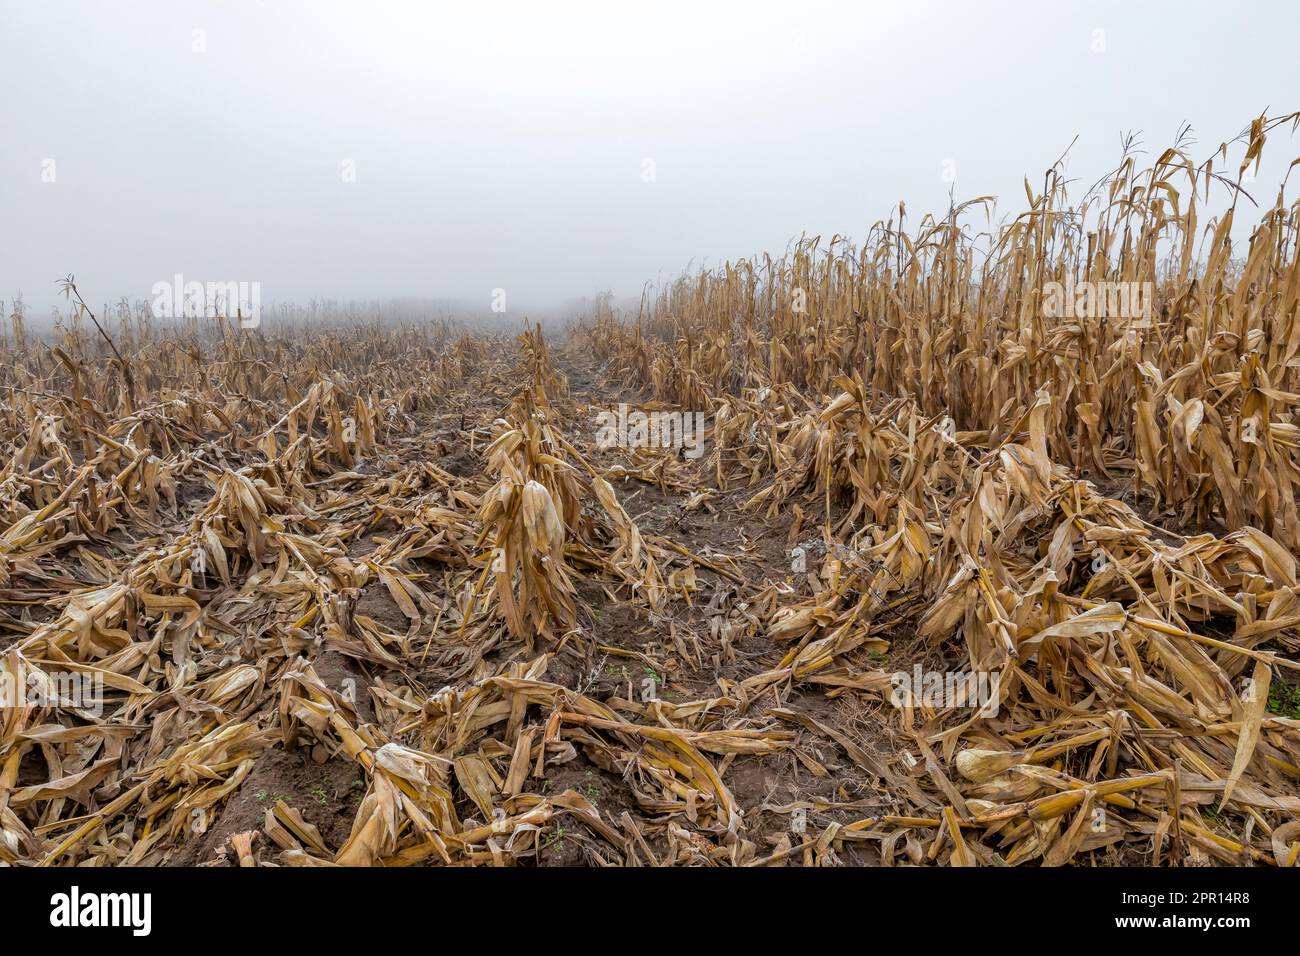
(369, 595)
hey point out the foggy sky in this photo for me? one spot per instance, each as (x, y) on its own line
(506, 145)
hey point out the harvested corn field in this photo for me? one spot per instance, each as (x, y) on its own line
(854, 440)
(916, 552)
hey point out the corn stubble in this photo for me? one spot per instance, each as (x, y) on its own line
(959, 441)
(199, 518)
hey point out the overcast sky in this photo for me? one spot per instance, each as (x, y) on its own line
(552, 149)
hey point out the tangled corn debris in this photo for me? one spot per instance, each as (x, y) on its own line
(373, 595)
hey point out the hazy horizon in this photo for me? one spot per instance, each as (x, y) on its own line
(379, 153)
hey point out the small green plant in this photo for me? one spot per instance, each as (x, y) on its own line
(589, 789)
(1284, 699)
(554, 839)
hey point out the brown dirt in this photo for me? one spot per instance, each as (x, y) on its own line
(327, 794)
